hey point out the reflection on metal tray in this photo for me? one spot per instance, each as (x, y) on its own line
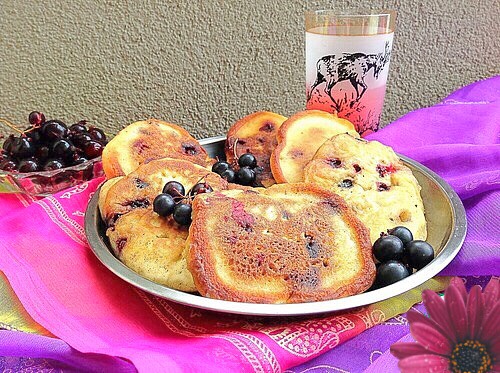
(446, 224)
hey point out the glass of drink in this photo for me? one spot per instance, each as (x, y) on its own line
(347, 62)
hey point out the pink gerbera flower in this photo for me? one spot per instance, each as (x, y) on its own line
(461, 335)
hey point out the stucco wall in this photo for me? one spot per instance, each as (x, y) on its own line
(203, 64)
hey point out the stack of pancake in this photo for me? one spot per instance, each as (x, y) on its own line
(303, 234)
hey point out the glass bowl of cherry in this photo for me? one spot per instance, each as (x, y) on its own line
(49, 156)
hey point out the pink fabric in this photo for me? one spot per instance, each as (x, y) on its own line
(67, 290)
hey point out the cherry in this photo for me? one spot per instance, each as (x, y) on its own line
(54, 130)
(81, 138)
(8, 165)
(93, 149)
(42, 152)
(96, 134)
(53, 164)
(200, 188)
(36, 118)
(61, 148)
(7, 144)
(22, 147)
(78, 127)
(28, 165)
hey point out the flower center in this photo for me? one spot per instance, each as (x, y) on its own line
(470, 356)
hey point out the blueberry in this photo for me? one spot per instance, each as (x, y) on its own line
(247, 160)
(175, 189)
(403, 233)
(245, 176)
(182, 214)
(229, 175)
(391, 272)
(220, 166)
(388, 248)
(419, 254)
(163, 204)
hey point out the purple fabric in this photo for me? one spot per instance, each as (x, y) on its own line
(459, 140)
(20, 351)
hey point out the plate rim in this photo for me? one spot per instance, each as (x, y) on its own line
(450, 250)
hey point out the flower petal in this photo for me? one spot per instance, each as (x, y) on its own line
(424, 364)
(405, 349)
(460, 285)
(475, 311)
(491, 293)
(491, 325)
(456, 311)
(437, 311)
(430, 338)
(494, 347)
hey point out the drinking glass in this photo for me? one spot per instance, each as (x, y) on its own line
(347, 62)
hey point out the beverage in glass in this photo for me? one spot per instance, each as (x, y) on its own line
(347, 63)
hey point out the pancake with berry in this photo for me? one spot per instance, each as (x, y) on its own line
(289, 243)
(138, 189)
(372, 179)
(103, 193)
(255, 134)
(154, 247)
(299, 138)
(143, 141)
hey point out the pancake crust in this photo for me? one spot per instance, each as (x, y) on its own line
(150, 139)
(372, 179)
(138, 189)
(289, 243)
(256, 134)
(299, 137)
(154, 247)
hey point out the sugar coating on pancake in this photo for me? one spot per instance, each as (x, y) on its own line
(154, 247)
(289, 243)
(299, 137)
(256, 134)
(150, 139)
(138, 189)
(373, 180)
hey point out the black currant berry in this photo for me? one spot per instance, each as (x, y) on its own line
(175, 189)
(388, 248)
(247, 160)
(163, 204)
(182, 213)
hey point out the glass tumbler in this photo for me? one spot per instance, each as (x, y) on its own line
(347, 63)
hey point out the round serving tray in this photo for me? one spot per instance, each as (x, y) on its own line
(446, 224)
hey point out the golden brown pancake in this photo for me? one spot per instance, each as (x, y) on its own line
(299, 137)
(256, 134)
(372, 179)
(288, 243)
(146, 140)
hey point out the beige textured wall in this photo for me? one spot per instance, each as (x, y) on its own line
(203, 64)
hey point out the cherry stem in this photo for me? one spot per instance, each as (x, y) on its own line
(9, 124)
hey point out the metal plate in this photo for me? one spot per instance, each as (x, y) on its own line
(446, 224)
